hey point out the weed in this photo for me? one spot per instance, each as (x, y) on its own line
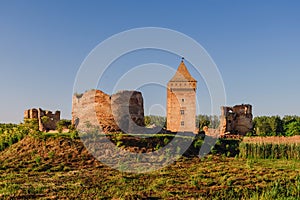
(38, 160)
(51, 154)
(166, 141)
(157, 147)
(119, 143)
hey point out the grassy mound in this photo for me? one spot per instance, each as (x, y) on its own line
(51, 154)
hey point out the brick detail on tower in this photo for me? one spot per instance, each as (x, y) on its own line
(181, 101)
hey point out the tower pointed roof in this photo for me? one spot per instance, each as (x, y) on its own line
(182, 74)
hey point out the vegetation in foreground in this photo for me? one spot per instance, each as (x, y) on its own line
(57, 165)
(209, 178)
(52, 167)
(13, 133)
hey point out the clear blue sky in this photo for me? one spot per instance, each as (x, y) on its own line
(255, 44)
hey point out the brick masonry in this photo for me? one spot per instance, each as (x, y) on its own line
(123, 111)
(46, 119)
(181, 101)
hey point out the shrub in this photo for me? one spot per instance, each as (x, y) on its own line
(31, 124)
(64, 123)
(11, 133)
(38, 159)
(198, 143)
(74, 134)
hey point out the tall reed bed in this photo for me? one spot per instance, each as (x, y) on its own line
(270, 147)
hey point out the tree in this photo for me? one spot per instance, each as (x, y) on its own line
(214, 121)
(206, 120)
(202, 120)
(291, 125)
(262, 125)
(276, 125)
(156, 120)
(293, 128)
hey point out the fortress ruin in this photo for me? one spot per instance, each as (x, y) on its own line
(124, 111)
(236, 119)
(121, 111)
(46, 119)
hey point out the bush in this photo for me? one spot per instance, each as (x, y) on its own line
(45, 119)
(31, 124)
(198, 143)
(63, 124)
(74, 134)
(11, 133)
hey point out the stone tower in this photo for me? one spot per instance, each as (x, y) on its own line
(181, 101)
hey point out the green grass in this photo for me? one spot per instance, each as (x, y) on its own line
(210, 178)
(50, 172)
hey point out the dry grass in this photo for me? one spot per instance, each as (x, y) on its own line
(273, 140)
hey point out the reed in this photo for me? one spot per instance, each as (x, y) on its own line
(270, 147)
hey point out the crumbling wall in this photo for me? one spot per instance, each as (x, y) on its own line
(121, 111)
(128, 110)
(236, 119)
(46, 119)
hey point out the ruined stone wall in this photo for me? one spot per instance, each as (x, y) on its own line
(46, 119)
(236, 119)
(121, 111)
(128, 110)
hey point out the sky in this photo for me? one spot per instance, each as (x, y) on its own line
(255, 45)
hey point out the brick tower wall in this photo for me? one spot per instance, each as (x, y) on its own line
(181, 109)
